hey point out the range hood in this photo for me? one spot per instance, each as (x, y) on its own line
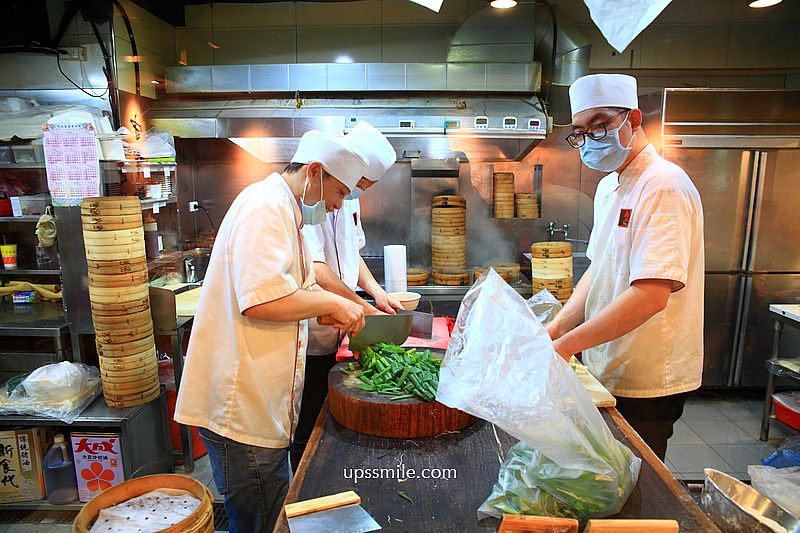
(501, 128)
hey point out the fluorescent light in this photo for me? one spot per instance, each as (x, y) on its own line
(433, 5)
(155, 82)
(343, 59)
(503, 4)
(214, 45)
(764, 3)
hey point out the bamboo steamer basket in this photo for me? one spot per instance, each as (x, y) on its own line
(511, 271)
(113, 236)
(110, 268)
(121, 404)
(111, 298)
(128, 349)
(126, 292)
(108, 226)
(112, 219)
(111, 253)
(115, 211)
(448, 232)
(143, 354)
(451, 271)
(118, 309)
(201, 521)
(447, 200)
(118, 280)
(115, 395)
(444, 278)
(133, 366)
(416, 277)
(551, 268)
(123, 320)
(144, 384)
(110, 202)
(546, 250)
(478, 272)
(124, 376)
(123, 336)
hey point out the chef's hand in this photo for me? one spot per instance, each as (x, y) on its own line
(386, 303)
(563, 350)
(348, 317)
(370, 309)
(554, 330)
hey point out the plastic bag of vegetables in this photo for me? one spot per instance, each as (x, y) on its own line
(501, 366)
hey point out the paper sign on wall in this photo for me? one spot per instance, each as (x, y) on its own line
(72, 162)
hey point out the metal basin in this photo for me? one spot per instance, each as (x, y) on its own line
(738, 508)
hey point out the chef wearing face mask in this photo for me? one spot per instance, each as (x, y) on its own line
(243, 378)
(637, 312)
(339, 268)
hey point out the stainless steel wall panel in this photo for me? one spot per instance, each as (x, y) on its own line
(466, 76)
(426, 77)
(347, 77)
(189, 79)
(513, 77)
(308, 77)
(269, 77)
(386, 76)
(230, 78)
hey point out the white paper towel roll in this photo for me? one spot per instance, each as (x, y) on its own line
(394, 268)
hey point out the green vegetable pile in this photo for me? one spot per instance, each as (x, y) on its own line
(393, 371)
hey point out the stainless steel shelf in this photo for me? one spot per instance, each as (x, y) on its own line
(457, 292)
(43, 319)
(24, 218)
(41, 505)
(97, 414)
(30, 272)
(148, 203)
(22, 165)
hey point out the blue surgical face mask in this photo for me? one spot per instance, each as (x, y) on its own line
(313, 214)
(607, 154)
(357, 192)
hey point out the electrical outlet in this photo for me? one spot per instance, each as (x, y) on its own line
(73, 53)
(194, 206)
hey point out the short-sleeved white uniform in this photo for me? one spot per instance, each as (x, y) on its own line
(648, 224)
(336, 242)
(243, 377)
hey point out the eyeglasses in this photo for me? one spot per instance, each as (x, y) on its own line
(595, 132)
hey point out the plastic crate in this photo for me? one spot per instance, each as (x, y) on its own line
(787, 408)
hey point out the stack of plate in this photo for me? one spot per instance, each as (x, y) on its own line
(527, 204)
(448, 235)
(119, 294)
(503, 195)
(551, 268)
(416, 277)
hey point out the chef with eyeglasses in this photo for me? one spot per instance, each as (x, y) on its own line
(636, 315)
(339, 268)
(243, 380)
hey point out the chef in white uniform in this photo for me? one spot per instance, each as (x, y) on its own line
(243, 379)
(339, 268)
(637, 313)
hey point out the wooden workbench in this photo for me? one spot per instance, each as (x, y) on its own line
(450, 505)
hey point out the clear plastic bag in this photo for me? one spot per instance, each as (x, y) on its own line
(501, 366)
(781, 485)
(157, 144)
(62, 390)
(544, 306)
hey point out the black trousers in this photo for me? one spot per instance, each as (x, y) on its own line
(653, 418)
(315, 390)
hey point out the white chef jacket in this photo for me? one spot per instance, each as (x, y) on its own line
(243, 377)
(336, 242)
(648, 224)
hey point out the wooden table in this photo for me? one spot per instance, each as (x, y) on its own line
(450, 505)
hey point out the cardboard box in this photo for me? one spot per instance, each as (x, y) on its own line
(98, 462)
(21, 454)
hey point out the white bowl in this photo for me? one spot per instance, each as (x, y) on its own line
(409, 300)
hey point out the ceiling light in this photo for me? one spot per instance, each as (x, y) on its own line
(214, 45)
(503, 4)
(343, 59)
(433, 5)
(155, 82)
(764, 3)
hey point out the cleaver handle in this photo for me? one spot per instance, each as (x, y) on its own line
(322, 504)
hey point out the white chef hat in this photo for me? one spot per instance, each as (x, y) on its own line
(603, 90)
(337, 159)
(373, 146)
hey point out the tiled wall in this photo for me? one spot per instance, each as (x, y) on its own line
(707, 34)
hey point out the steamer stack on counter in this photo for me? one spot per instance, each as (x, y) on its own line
(551, 268)
(119, 294)
(503, 195)
(449, 240)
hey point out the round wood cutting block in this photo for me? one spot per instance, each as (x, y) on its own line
(373, 414)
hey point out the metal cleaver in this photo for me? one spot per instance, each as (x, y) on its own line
(382, 328)
(337, 513)
(421, 323)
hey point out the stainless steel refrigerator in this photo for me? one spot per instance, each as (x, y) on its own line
(742, 150)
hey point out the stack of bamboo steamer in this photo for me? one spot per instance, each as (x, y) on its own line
(527, 204)
(119, 294)
(551, 268)
(510, 272)
(416, 277)
(503, 195)
(449, 239)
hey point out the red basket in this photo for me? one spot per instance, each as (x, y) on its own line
(787, 408)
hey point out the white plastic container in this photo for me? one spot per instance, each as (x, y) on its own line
(59, 474)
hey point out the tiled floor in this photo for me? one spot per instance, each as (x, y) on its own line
(719, 431)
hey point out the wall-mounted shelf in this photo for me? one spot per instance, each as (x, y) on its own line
(151, 203)
(30, 272)
(24, 218)
(22, 166)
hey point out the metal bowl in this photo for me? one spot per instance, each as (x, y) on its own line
(738, 508)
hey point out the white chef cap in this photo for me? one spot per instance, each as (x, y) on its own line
(337, 159)
(603, 90)
(373, 146)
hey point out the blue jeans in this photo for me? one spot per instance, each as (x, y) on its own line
(253, 480)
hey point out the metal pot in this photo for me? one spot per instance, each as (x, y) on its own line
(196, 264)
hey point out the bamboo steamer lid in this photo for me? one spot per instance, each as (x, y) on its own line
(527, 196)
(546, 250)
(110, 201)
(458, 278)
(110, 211)
(417, 276)
(446, 200)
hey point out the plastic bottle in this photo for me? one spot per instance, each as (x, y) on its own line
(59, 474)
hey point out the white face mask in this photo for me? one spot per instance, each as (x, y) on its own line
(313, 214)
(357, 192)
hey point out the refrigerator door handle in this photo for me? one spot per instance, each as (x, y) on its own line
(742, 316)
(756, 201)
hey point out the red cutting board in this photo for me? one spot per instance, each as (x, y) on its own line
(439, 340)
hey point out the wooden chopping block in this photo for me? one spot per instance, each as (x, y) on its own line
(631, 526)
(537, 524)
